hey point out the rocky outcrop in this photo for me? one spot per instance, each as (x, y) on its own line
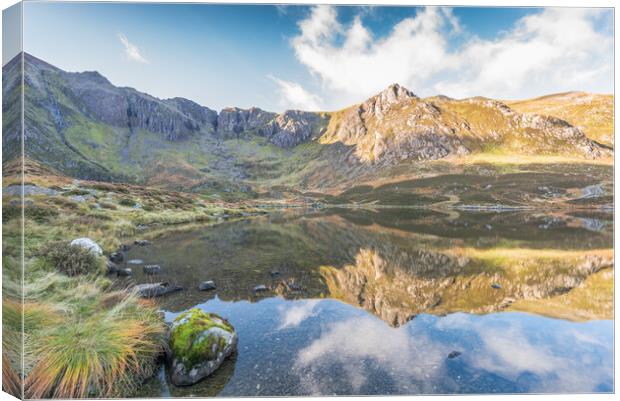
(199, 343)
(395, 125)
(204, 116)
(291, 128)
(233, 121)
(285, 130)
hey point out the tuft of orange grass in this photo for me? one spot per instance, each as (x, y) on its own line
(105, 355)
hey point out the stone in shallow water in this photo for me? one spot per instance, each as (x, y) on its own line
(152, 269)
(135, 262)
(123, 272)
(206, 285)
(151, 290)
(199, 343)
(116, 257)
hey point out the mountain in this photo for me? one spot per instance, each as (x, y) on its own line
(592, 113)
(83, 126)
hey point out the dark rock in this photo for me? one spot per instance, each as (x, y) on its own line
(151, 290)
(142, 242)
(124, 272)
(496, 286)
(274, 273)
(293, 287)
(206, 285)
(151, 269)
(454, 354)
(124, 248)
(116, 257)
(111, 266)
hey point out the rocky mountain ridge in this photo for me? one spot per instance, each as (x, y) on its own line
(81, 124)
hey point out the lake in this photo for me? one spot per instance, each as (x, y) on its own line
(397, 301)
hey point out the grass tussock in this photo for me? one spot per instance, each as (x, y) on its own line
(105, 354)
(74, 260)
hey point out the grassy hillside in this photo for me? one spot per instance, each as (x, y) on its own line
(593, 113)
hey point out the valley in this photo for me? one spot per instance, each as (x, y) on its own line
(398, 215)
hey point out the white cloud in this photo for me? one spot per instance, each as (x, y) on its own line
(350, 61)
(131, 50)
(552, 51)
(294, 96)
(549, 51)
(413, 361)
(293, 316)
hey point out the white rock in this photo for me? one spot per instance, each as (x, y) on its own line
(88, 244)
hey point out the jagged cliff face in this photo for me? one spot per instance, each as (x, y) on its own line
(285, 130)
(82, 125)
(95, 97)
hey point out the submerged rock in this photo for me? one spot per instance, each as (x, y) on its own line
(151, 269)
(454, 354)
(151, 290)
(89, 244)
(199, 343)
(206, 285)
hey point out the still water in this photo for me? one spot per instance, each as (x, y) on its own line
(397, 301)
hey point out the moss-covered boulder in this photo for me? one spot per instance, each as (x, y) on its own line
(199, 343)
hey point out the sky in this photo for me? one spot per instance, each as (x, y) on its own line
(324, 57)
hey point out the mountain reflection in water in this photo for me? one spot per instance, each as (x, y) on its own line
(387, 295)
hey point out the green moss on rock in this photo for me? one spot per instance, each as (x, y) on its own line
(191, 339)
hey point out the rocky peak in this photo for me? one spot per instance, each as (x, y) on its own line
(395, 93)
(380, 103)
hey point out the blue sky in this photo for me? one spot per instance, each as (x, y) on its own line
(324, 57)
